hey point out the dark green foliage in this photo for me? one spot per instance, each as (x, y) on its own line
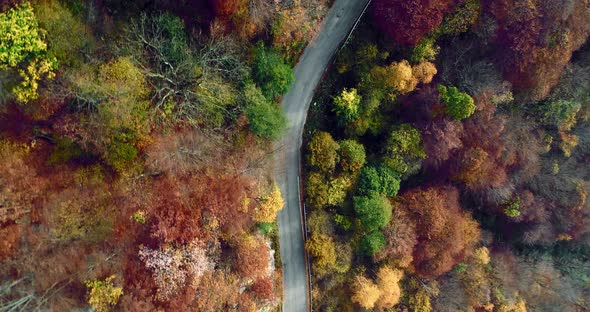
(380, 179)
(459, 105)
(372, 243)
(121, 156)
(266, 119)
(64, 151)
(270, 72)
(343, 222)
(373, 210)
(352, 155)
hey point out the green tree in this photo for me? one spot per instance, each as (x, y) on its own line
(373, 210)
(378, 179)
(270, 72)
(561, 114)
(23, 49)
(425, 50)
(404, 149)
(459, 105)
(347, 105)
(352, 156)
(460, 20)
(323, 192)
(67, 36)
(103, 294)
(372, 243)
(266, 119)
(323, 152)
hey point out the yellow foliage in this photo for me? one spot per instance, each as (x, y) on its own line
(322, 248)
(424, 72)
(103, 294)
(270, 206)
(568, 143)
(22, 48)
(388, 283)
(366, 293)
(402, 78)
(482, 255)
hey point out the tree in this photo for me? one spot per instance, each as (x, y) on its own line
(270, 72)
(379, 179)
(266, 119)
(252, 257)
(404, 149)
(373, 210)
(103, 294)
(24, 50)
(321, 247)
(407, 21)
(561, 114)
(270, 204)
(174, 268)
(446, 234)
(61, 24)
(323, 152)
(388, 283)
(352, 156)
(459, 105)
(347, 105)
(365, 292)
(373, 243)
(401, 237)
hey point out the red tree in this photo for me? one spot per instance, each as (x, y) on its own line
(407, 21)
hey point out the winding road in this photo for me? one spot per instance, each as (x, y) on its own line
(308, 72)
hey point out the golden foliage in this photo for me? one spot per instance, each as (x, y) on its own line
(270, 204)
(366, 293)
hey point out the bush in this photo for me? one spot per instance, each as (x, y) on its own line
(270, 72)
(64, 151)
(561, 114)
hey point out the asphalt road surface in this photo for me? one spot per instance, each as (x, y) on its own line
(308, 72)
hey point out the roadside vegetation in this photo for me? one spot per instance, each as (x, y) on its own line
(446, 160)
(137, 145)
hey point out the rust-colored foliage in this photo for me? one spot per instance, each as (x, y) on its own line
(252, 258)
(225, 8)
(537, 39)
(407, 21)
(263, 289)
(445, 232)
(401, 239)
(10, 240)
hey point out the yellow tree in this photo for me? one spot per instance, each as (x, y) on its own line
(270, 204)
(23, 49)
(103, 294)
(388, 283)
(366, 293)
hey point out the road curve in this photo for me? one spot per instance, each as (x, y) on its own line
(308, 72)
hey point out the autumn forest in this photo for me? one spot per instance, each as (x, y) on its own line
(445, 159)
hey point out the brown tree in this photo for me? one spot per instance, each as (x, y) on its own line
(445, 232)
